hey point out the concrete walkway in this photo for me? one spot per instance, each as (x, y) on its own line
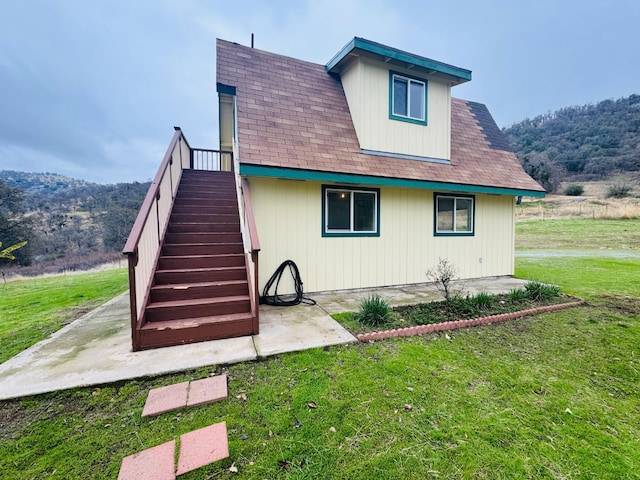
(96, 349)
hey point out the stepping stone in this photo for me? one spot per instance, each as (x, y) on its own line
(155, 463)
(165, 399)
(207, 390)
(202, 447)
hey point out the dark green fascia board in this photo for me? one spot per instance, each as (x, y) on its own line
(357, 43)
(226, 89)
(349, 178)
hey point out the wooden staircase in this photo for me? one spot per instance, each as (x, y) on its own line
(200, 288)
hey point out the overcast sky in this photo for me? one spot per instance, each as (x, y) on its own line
(93, 88)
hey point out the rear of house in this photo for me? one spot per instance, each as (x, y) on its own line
(365, 171)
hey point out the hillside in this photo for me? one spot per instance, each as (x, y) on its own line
(72, 223)
(587, 142)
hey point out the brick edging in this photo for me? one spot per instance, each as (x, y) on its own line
(454, 325)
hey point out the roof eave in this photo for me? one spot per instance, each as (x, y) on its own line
(349, 178)
(359, 46)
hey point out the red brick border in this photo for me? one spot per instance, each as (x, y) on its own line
(438, 327)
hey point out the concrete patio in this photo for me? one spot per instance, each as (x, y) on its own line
(96, 349)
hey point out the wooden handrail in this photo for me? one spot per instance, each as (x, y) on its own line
(251, 222)
(131, 247)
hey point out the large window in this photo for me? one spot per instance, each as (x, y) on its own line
(350, 212)
(454, 215)
(408, 99)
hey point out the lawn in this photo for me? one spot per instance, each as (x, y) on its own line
(545, 397)
(579, 234)
(33, 309)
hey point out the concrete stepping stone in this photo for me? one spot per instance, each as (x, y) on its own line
(207, 390)
(185, 394)
(165, 399)
(202, 447)
(155, 463)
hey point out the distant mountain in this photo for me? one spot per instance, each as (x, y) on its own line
(75, 219)
(589, 142)
(33, 183)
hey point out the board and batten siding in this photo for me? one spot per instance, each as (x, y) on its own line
(288, 218)
(366, 86)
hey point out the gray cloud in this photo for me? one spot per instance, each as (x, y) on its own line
(93, 89)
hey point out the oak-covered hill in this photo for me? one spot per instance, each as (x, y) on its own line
(591, 142)
(65, 221)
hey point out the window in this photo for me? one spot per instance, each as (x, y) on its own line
(454, 215)
(350, 212)
(408, 99)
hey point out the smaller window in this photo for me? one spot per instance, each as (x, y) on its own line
(408, 99)
(454, 215)
(350, 212)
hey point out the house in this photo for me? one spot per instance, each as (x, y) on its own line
(364, 172)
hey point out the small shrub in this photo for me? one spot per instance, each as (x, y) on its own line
(442, 275)
(618, 190)
(517, 295)
(574, 190)
(541, 291)
(374, 311)
(482, 300)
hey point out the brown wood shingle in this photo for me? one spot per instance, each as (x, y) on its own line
(293, 114)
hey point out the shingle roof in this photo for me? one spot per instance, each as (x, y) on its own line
(293, 114)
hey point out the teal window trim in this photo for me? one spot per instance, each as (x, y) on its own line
(351, 232)
(248, 169)
(226, 89)
(453, 233)
(410, 79)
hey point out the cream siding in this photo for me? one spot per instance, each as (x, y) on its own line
(288, 217)
(366, 86)
(226, 121)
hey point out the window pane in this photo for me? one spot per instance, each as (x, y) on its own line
(464, 215)
(364, 211)
(338, 210)
(417, 100)
(399, 96)
(445, 214)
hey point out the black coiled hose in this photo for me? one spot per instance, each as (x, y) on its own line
(285, 300)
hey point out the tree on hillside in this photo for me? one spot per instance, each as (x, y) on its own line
(590, 141)
(544, 171)
(15, 227)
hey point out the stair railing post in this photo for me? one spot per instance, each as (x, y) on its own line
(158, 215)
(256, 324)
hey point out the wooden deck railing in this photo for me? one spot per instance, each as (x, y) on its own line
(145, 240)
(204, 159)
(252, 249)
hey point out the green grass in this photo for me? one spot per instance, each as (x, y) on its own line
(586, 277)
(33, 309)
(555, 396)
(545, 397)
(579, 234)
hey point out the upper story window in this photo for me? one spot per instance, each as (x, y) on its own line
(408, 98)
(454, 215)
(350, 212)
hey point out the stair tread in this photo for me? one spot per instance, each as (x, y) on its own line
(194, 322)
(197, 301)
(199, 244)
(206, 255)
(186, 286)
(201, 269)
